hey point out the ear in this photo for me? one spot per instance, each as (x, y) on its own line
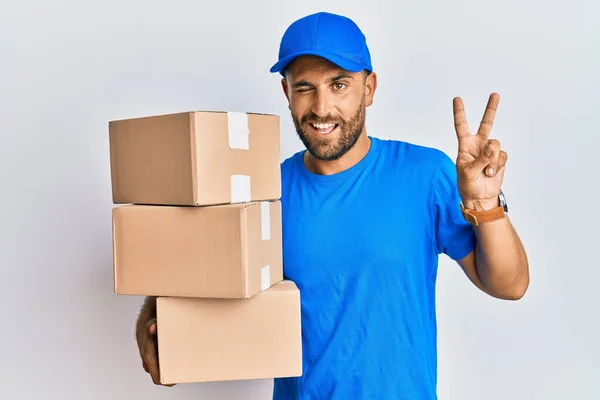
(284, 86)
(370, 88)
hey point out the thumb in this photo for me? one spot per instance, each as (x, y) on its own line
(151, 326)
(485, 157)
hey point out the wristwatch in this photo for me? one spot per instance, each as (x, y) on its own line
(480, 217)
(502, 200)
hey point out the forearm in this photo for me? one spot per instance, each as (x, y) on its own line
(147, 312)
(501, 260)
(149, 305)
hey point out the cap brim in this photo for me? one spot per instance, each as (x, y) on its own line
(341, 62)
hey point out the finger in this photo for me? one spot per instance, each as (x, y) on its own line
(151, 360)
(486, 157)
(155, 373)
(151, 325)
(502, 161)
(493, 151)
(460, 118)
(488, 116)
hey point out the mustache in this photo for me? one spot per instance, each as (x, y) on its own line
(315, 119)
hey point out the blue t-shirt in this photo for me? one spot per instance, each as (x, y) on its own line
(362, 246)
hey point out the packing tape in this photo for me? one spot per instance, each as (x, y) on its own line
(237, 127)
(265, 220)
(240, 189)
(265, 277)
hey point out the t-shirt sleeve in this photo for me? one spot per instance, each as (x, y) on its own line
(454, 236)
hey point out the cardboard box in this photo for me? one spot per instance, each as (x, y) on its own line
(195, 158)
(204, 340)
(225, 251)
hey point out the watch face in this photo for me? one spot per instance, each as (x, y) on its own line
(503, 201)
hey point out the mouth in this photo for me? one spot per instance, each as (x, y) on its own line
(323, 129)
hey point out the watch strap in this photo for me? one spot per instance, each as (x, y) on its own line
(480, 217)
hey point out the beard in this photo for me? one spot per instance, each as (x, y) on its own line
(326, 148)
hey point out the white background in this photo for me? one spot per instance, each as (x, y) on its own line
(67, 68)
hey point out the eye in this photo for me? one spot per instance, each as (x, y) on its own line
(303, 89)
(339, 86)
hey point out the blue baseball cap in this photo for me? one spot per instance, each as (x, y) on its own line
(333, 37)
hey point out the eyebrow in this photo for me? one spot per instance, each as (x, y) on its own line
(337, 77)
(341, 76)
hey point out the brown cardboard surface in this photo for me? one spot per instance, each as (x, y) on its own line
(189, 159)
(203, 340)
(224, 251)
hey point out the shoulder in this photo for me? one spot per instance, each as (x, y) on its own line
(290, 171)
(423, 159)
(290, 164)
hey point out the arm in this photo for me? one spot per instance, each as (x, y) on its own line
(146, 337)
(498, 265)
(147, 313)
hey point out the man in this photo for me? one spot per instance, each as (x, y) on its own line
(364, 221)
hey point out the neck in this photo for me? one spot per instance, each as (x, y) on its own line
(348, 160)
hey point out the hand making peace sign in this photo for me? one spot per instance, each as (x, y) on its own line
(480, 162)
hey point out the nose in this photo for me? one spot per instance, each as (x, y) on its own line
(321, 103)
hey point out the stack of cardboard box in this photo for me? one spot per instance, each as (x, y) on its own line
(197, 222)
